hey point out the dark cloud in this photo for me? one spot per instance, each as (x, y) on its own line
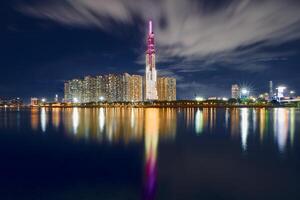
(188, 30)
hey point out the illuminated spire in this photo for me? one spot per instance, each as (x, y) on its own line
(150, 72)
(150, 27)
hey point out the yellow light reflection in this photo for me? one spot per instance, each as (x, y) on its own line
(234, 122)
(34, 118)
(262, 123)
(56, 117)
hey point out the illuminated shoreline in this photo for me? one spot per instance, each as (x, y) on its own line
(167, 105)
(160, 104)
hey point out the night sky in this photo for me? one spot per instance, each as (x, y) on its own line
(207, 45)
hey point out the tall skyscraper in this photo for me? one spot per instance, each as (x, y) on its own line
(74, 91)
(235, 91)
(67, 92)
(150, 72)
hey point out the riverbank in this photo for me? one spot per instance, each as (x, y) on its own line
(167, 104)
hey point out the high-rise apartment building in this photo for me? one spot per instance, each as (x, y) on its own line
(124, 87)
(67, 92)
(90, 89)
(235, 91)
(74, 91)
(111, 88)
(150, 71)
(136, 88)
(166, 88)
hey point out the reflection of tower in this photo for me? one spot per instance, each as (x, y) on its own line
(151, 143)
(150, 72)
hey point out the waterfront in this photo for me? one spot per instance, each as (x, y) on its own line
(150, 153)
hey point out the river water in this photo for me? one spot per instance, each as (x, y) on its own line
(150, 153)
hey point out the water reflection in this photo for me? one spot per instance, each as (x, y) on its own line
(43, 119)
(75, 120)
(199, 121)
(151, 143)
(127, 125)
(244, 127)
(281, 127)
(234, 122)
(262, 123)
(292, 126)
(56, 117)
(34, 119)
(246, 122)
(101, 119)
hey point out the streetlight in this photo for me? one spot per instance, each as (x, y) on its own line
(75, 100)
(245, 91)
(101, 98)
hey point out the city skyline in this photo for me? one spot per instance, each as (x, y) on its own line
(40, 51)
(150, 99)
(124, 87)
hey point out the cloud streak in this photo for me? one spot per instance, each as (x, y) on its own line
(189, 30)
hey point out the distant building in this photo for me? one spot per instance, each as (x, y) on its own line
(75, 89)
(271, 92)
(166, 88)
(235, 91)
(67, 92)
(89, 88)
(123, 87)
(34, 101)
(264, 96)
(12, 102)
(56, 98)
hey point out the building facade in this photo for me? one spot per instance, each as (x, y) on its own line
(136, 88)
(124, 87)
(150, 71)
(235, 91)
(110, 87)
(166, 88)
